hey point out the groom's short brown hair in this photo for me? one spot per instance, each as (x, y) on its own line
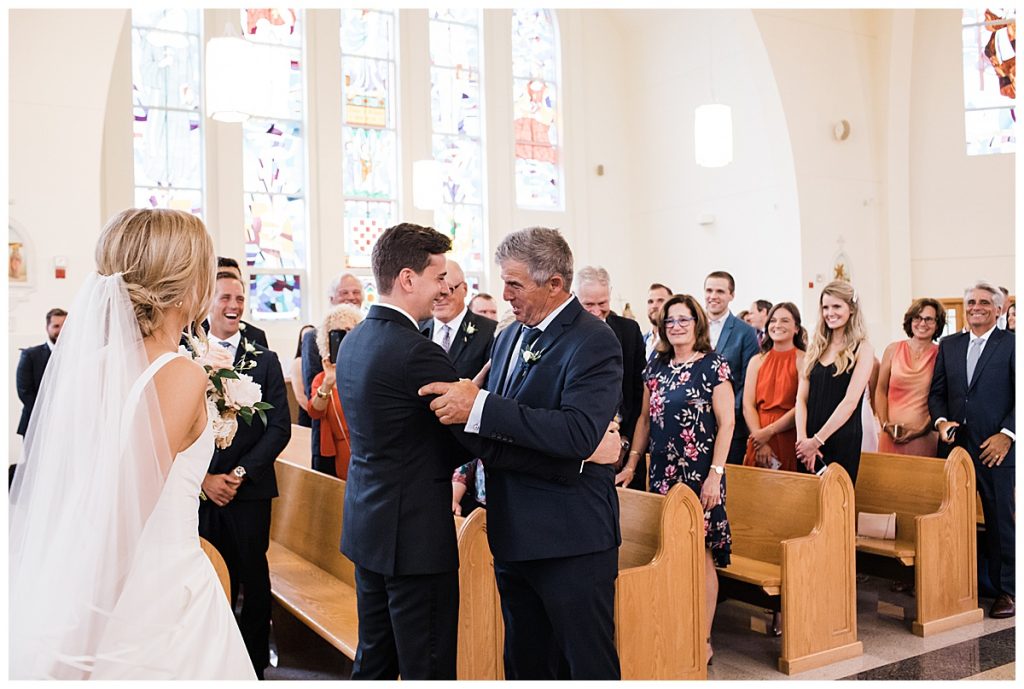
(405, 246)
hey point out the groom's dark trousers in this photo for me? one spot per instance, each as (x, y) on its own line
(240, 530)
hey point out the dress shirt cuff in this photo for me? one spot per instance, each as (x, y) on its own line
(476, 414)
(1007, 431)
(938, 421)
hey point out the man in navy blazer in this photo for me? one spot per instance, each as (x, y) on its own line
(734, 340)
(554, 386)
(29, 375)
(973, 406)
(240, 484)
(469, 337)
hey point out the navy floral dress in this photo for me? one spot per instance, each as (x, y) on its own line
(683, 428)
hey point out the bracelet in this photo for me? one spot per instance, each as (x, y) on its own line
(634, 452)
(321, 394)
(820, 441)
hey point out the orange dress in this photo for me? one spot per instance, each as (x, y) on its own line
(909, 383)
(775, 395)
(334, 437)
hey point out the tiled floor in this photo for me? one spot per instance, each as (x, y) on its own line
(982, 651)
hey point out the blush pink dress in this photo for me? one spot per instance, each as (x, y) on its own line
(909, 382)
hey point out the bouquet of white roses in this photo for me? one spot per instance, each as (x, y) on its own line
(230, 393)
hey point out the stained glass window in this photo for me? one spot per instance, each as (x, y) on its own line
(369, 129)
(456, 88)
(535, 102)
(274, 166)
(989, 60)
(167, 121)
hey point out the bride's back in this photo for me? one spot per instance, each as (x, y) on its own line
(167, 261)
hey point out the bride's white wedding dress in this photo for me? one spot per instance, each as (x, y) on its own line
(173, 619)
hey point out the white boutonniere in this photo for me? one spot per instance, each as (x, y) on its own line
(241, 326)
(530, 355)
(469, 328)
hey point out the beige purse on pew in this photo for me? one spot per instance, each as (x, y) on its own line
(872, 525)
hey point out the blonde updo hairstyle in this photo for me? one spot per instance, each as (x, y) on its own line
(164, 257)
(854, 330)
(340, 317)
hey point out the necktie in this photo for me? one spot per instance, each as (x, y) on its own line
(973, 354)
(225, 344)
(530, 336)
(446, 337)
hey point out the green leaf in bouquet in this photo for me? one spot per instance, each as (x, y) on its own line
(228, 373)
(263, 417)
(246, 415)
(263, 405)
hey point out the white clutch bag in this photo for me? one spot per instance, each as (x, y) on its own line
(872, 525)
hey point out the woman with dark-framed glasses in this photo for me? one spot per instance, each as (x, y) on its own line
(904, 379)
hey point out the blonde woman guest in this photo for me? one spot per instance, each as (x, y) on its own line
(769, 394)
(688, 397)
(295, 377)
(837, 369)
(324, 404)
(904, 380)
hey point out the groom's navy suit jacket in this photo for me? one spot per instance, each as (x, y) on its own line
(398, 496)
(985, 406)
(555, 415)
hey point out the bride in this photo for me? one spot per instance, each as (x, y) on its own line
(107, 578)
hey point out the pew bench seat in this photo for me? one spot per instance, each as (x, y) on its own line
(324, 603)
(757, 572)
(902, 550)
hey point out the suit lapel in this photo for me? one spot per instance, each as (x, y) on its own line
(240, 350)
(428, 329)
(502, 354)
(723, 337)
(994, 341)
(459, 338)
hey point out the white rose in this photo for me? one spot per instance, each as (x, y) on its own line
(241, 392)
(216, 357)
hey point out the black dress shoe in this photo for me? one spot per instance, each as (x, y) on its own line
(1002, 607)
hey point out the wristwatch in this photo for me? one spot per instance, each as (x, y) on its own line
(239, 471)
(718, 470)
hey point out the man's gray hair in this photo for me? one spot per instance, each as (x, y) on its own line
(589, 275)
(544, 251)
(997, 295)
(333, 287)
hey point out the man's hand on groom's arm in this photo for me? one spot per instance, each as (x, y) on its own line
(454, 401)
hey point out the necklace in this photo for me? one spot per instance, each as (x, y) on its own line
(687, 362)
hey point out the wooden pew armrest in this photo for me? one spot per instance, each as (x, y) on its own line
(326, 604)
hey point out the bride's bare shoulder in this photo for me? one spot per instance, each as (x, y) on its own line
(181, 376)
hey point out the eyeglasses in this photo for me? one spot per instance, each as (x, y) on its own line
(681, 321)
(927, 320)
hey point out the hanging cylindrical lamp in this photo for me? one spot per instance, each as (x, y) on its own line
(712, 135)
(228, 61)
(426, 184)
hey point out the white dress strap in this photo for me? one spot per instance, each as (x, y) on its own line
(131, 401)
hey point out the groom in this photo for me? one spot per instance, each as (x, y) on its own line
(241, 482)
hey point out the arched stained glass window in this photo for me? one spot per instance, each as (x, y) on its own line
(369, 129)
(456, 94)
(167, 119)
(990, 80)
(535, 102)
(273, 167)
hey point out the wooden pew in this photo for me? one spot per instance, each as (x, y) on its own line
(312, 580)
(793, 537)
(298, 451)
(934, 501)
(660, 613)
(219, 566)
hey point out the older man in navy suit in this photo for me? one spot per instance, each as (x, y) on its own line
(973, 405)
(734, 340)
(554, 386)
